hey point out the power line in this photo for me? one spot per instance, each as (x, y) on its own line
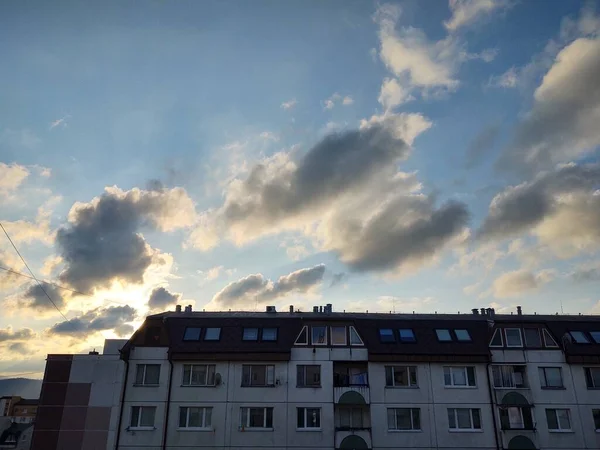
(47, 282)
(30, 271)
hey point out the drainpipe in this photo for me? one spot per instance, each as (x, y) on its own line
(122, 403)
(168, 405)
(490, 391)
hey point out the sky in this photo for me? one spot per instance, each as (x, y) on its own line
(423, 156)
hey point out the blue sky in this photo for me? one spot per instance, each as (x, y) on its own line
(413, 155)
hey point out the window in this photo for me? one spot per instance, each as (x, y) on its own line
(558, 419)
(464, 419)
(404, 419)
(142, 416)
(350, 418)
(386, 335)
(497, 338)
(513, 337)
(548, 339)
(406, 335)
(509, 376)
(532, 337)
(319, 335)
(595, 336)
(308, 376)
(302, 338)
(551, 377)
(338, 335)
(308, 418)
(192, 334)
(592, 377)
(443, 335)
(462, 335)
(516, 418)
(256, 418)
(147, 374)
(401, 376)
(580, 337)
(258, 375)
(596, 414)
(195, 417)
(212, 334)
(250, 334)
(198, 375)
(459, 376)
(269, 334)
(354, 337)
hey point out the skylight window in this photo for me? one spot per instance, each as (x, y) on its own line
(580, 337)
(406, 335)
(462, 335)
(269, 334)
(250, 334)
(595, 336)
(443, 335)
(386, 335)
(192, 334)
(212, 334)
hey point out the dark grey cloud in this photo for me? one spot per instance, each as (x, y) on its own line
(586, 274)
(35, 298)
(519, 208)
(23, 334)
(160, 298)
(19, 347)
(99, 319)
(481, 145)
(337, 278)
(256, 288)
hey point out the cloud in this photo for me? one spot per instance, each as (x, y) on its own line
(482, 143)
(338, 278)
(269, 135)
(586, 272)
(11, 177)
(60, 122)
(466, 12)
(9, 335)
(393, 94)
(256, 288)
(337, 99)
(513, 284)
(35, 298)
(289, 104)
(161, 299)
(347, 100)
(96, 320)
(507, 80)
(101, 243)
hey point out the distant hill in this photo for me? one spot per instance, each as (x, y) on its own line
(23, 387)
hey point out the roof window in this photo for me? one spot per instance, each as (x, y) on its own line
(407, 335)
(212, 334)
(302, 338)
(595, 336)
(497, 338)
(386, 335)
(250, 334)
(355, 337)
(580, 337)
(318, 335)
(462, 335)
(269, 334)
(443, 335)
(513, 337)
(192, 334)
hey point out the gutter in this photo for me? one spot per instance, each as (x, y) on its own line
(492, 405)
(167, 405)
(122, 402)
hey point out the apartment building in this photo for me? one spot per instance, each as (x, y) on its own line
(328, 380)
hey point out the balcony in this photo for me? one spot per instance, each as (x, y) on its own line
(351, 395)
(351, 383)
(353, 439)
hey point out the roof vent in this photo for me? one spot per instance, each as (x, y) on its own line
(271, 309)
(519, 311)
(291, 308)
(315, 309)
(178, 308)
(328, 308)
(188, 308)
(483, 311)
(475, 311)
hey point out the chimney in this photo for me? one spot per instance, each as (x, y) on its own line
(475, 311)
(291, 308)
(483, 311)
(519, 311)
(178, 308)
(492, 312)
(320, 309)
(188, 308)
(315, 309)
(328, 308)
(93, 352)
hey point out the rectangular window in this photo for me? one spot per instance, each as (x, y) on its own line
(142, 416)
(459, 376)
(404, 419)
(198, 375)
(551, 377)
(407, 335)
(269, 334)
(212, 334)
(443, 335)
(509, 376)
(595, 336)
(338, 335)
(513, 337)
(592, 377)
(192, 334)
(401, 376)
(250, 334)
(258, 375)
(319, 335)
(350, 418)
(256, 418)
(460, 419)
(532, 337)
(308, 418)
(354, 337)
(195, 417)
(516, 418)
(580, 337)
(386, 335)
(596, 414)
(558, 419)
(308, 376)
(462, 335)
(147, 374)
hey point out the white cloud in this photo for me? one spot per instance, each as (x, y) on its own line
(393, 94)
(515, 283)
(466, 12)
(289, 104)
(337, 99)
(507, 80)
(269, 135)
(60, 122)
(347, 100)
(11, 177)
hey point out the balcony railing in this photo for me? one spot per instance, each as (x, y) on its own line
(343, 380)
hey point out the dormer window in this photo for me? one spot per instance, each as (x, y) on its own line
(497, 338)
(595, 336)
(319, 335)
(354, 337)
(338, 335)
(532, 337)
(580, 337)
(302, 338)
(513, 337)
(548, 339)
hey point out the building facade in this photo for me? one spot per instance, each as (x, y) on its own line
(326, 380)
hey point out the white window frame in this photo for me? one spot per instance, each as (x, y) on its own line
(408, 370)
(143, 381)
(412, 428)
(456, 429)
(269, 374)
(547, 336)
(560, 429)
(246, 426)
(511, 376)
(354, 331)
(544, 380)
(497, 331)
(506, 330)
(465, 370)
(304, 411)
(205, 426)
(141, 409)
(345, 338)
(209, 369)
(312, 340)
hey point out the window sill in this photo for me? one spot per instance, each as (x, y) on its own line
(561, 431)
(309, 387)
(253, 430)
(141, 428)
(405, 431)
(258, 386)
(309, 430)
(553, 388)
(465, 430)
(146, 385)
(185, 429)
(198, 385)
(511, 388)
(460, 387)
(402, 387)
